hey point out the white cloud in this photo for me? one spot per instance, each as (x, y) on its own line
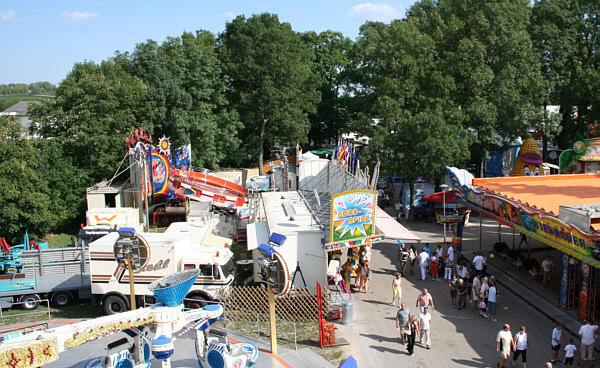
(375, 12)
(228, 15)
(78, 16)
(9, 16)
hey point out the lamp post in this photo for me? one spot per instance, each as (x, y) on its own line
(444, 188)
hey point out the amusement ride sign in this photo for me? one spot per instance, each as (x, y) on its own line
(353, 220)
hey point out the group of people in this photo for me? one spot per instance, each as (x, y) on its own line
(518, 344)
(412, 326)
(438, 262)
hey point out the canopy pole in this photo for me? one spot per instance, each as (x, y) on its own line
(513, 238)
(480, 230)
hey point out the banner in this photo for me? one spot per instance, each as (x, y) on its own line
(353, 219)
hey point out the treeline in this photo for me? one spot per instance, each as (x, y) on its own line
(37, 88)
(447, 86)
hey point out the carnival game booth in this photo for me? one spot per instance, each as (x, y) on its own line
(561, 211)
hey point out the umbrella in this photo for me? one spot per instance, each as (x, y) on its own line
(439, 197)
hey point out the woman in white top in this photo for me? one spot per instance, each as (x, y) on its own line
(521, 343)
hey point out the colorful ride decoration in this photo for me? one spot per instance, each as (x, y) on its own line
(167, 322)
(584, 157)
(529, 161)
(353, 220)
(35, 354)
(201, 186)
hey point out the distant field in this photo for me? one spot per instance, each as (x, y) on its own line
(7, 101)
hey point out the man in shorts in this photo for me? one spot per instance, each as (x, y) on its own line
(504, 344)
(401, 319)
(547, 269)
(556, 342)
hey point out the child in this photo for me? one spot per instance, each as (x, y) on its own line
(434, 269)
(453, 287)
(570, 353)
(482, 309)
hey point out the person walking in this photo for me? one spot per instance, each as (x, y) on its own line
(462, 294)
(520, 343)
(556, 342)
(448, 268)
(547, 270)
(504, 344)
(397, 289)
(450, 253)
(403, 254)
(402, 318)
(569, 353)
(425, 327)
(476, 288)
(412, 257)
(587, 334)
(411, 329)
(424, 300)
(492, 299)
(423, 263)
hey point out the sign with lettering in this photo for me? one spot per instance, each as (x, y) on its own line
(353, 219)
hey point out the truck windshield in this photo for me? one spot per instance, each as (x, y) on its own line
(228, 269)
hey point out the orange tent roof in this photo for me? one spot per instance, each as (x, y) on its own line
(546, 192)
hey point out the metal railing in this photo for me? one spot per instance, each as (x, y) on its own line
(260, 323)
(30, 312)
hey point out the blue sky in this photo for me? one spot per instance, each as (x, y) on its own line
(42, 39)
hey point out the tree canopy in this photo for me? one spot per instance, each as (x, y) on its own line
(272, 84)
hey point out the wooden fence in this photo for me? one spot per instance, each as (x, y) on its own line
(299, 305)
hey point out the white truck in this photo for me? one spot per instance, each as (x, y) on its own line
(185, 245)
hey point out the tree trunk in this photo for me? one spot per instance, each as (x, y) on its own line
(411, 213)
(261, 144)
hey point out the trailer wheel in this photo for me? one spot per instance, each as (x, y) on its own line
(195, 302)
(114, 304)
(29, 302)
(62, 299)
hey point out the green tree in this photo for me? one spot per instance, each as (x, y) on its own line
(187, 94)
(24, 200)
(66, 184)
(96, 108)
(566, 34)
(332, 62)
(413, 123)
(486, 48)
(272, 83)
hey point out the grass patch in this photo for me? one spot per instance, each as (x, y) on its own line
(58, 240)
(79, 309)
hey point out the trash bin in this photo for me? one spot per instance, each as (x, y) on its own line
(347, 314)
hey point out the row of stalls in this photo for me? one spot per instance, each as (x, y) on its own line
(561, 211)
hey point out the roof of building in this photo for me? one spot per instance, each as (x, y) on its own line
(20, 108)
(546, 192)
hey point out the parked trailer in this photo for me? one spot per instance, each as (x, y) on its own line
(57, 274)
(183, 246)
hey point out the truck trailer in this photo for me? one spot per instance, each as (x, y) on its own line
(183, 246)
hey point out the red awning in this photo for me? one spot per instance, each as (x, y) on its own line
(439, 197)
